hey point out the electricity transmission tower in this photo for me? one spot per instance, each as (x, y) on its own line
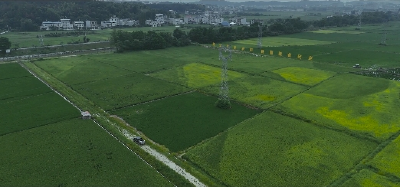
(383, 41)
(41, 40)
(259, 35)
(359, 22)
(223, 100)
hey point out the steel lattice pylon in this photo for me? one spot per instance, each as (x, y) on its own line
(41, 40)
(259, 35)
(224, 91)
(383, 41)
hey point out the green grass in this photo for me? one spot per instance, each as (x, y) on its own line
(34, 111)
(367, 178)
(195, 75)
(279, 151)
(18, 88)
(12, 70)
(81, 69)
(262, 92)
(361, 104)
(71, 153)
(127, 90)
(183, 121)
(304, 76)
(388, 161)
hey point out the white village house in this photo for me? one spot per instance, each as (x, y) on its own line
(79, 25)
(92, 25)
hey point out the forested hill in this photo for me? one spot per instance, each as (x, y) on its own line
(28, 15)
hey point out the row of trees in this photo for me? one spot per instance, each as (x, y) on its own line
(139, 40)
(29, 15)
(214, 34)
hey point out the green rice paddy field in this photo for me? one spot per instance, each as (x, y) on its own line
(292, 122)
(45, 143)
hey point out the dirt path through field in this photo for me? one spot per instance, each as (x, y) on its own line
(167, 162)
(173, 166)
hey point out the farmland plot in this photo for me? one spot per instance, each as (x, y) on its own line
(349, 102)
(34, 111)
(18, 88)
(367, 178)
(71, 153)
(304, 76)
(363, 57)
(12, 70)
(151, 61)
(337, 31)
(336, 37)
(81, 69)
(127, 90)
(274, 150)
(277, 41)
(183, 121)
(195, 75)
(388, 160)
(258, 91)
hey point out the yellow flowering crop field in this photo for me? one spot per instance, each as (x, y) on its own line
(195, 75)
(388, 160)
(262, 92)
(369, 110)
(279, 151)
(367, 178)
(303, 75)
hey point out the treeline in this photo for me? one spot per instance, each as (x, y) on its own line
(139, 40)
(366, 18)
(29, 15)
(278, 27)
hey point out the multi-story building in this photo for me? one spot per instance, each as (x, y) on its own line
(66, 24)
(91, 25)
(114, 21)
(47, 25)
(79, 25)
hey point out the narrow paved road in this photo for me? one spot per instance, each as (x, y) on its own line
(173, 166)
(162, 158)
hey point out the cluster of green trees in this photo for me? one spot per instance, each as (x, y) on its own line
(220, 34)
(139, 40)
(29, 15)
(366, 18)
(4, 45)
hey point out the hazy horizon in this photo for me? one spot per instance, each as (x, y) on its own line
(248, 0)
